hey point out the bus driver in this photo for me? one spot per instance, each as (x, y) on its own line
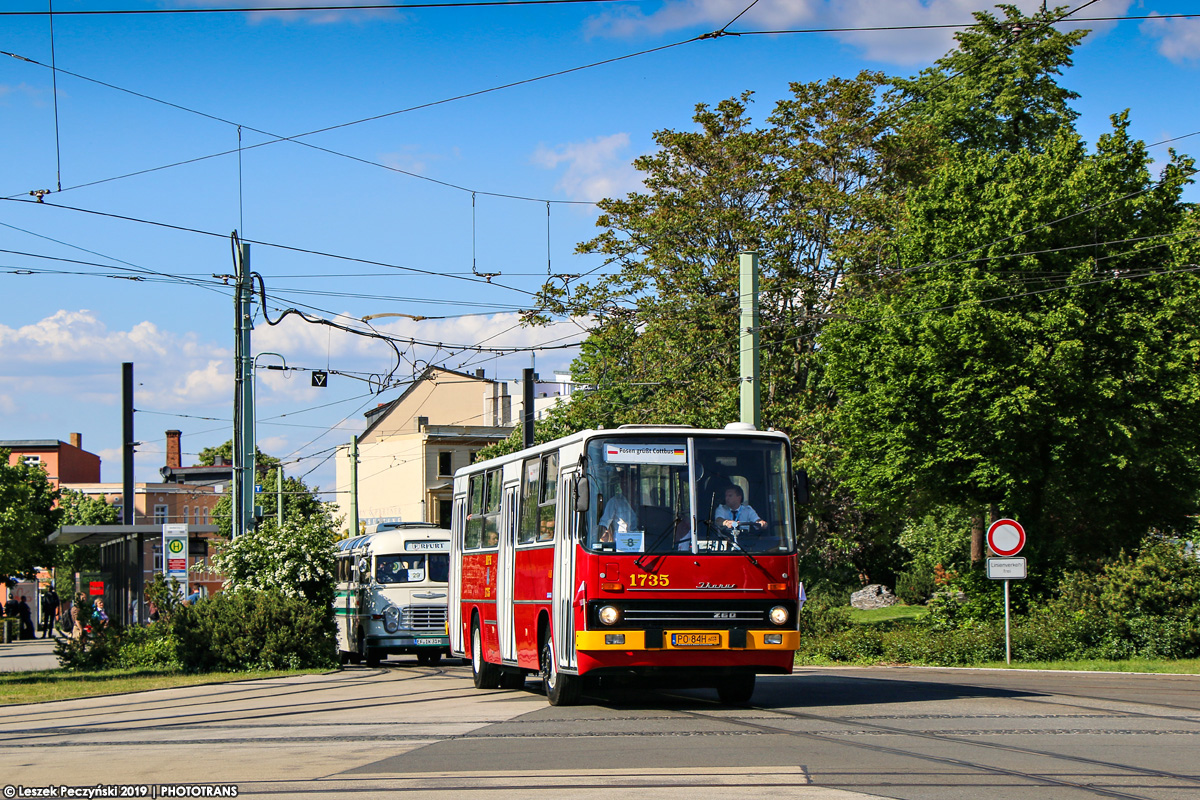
(734, 513)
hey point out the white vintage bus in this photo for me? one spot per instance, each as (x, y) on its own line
(391, 593)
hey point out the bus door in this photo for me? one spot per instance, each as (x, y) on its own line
(506, 572)
(454, 625)
(565, 585)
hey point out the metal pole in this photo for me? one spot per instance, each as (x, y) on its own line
(243, 401)
(127, 442)
(527, 410)
(751, 409)
(279, 496)
(1007, 636)
(353, 486)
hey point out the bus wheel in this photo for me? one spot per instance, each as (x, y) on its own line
(373, 657)
(485, 675)
(427, 658)
(343, 657)
(736, 689)
(561, 690)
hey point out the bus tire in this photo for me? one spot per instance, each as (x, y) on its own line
(561, 690)
(736, 689)
(485, 674)
(373, 657)
(343, 657)
(428, 659)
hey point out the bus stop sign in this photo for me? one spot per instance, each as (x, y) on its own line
(1006, 537)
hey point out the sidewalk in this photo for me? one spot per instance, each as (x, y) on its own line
(29, 654)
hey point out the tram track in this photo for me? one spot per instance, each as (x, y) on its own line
(1042, 778)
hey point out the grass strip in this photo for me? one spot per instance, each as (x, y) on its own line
(45, 686)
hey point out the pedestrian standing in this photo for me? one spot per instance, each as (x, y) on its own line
(49, 612)
(26, 615)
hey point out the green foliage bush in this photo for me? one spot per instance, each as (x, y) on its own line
(248, 629)
(914, 588)
(1141, 606)
(149, 646)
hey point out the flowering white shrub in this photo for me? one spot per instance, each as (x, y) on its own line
(296, 560)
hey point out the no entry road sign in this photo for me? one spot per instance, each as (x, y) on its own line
(1006, 537)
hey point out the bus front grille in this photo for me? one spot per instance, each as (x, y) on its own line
(424, 618)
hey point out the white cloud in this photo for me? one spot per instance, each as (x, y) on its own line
(906, 47)
(595, 169)
(1178, 39)
(73, 337)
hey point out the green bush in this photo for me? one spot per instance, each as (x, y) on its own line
(914, 588)
(819, 620)
(153, 646)
(247, 629)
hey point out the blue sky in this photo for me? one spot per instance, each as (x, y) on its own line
(66, 328)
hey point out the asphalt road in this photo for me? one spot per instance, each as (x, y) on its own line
(822, 734)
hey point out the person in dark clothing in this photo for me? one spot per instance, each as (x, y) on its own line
(26, 615)
(10, 607)
(49, 612)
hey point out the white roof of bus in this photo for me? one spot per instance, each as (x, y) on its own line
(625, 430)
(394, 537)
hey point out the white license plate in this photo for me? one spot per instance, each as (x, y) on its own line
(429, 641)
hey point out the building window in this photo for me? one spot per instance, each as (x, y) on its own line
(471, 457)
(160, 514)
(187, 510)
(32, 461)
(197, 515)
(158, 561)
(206, 516)
(445, 466)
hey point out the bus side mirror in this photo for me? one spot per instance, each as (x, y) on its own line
(583, 493)
(800, 487)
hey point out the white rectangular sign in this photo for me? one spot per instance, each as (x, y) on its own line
(435, 547)
(618, 453)
(628, 541)
(1006, 569)
(175, 554)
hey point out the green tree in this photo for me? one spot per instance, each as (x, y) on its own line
(27, 516)
(80, 509)
(224, 452)
(998, 89)
(815, 191)
(1038, 353)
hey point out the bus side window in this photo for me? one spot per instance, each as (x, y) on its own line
(473, 534)
(491, 511)
(546, 506)
(530, 481)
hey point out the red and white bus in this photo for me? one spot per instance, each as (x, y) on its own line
(642, 551)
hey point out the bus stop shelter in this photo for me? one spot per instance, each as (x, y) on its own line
(122, 562)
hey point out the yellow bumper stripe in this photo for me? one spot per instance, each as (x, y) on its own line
(636, 640)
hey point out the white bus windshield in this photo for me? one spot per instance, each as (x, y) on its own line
(648, 494)
(412, 568)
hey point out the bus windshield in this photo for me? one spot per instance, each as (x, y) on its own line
(701, 495)
(410, 568)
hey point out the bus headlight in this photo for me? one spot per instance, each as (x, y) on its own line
(779, 615)
(391, 619)
(609, 615)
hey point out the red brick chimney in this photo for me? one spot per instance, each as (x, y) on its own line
(173, 449)
(77, 440)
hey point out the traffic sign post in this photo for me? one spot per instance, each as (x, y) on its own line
(1006, 538)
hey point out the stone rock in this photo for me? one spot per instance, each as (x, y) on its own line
(874, 596)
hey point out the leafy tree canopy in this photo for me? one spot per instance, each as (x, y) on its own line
(210, 455)
(27, 516)
(1037, 351)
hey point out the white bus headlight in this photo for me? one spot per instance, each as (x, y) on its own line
(609, 615)
(779, 615)
(391, 619)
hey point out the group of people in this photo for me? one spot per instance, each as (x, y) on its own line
(56, 615)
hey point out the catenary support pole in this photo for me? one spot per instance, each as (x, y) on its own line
(1007, 634)
(751, 408)
(279, 495)
(353, 520)
(243, 401)
(128, 443)
(527, 408)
